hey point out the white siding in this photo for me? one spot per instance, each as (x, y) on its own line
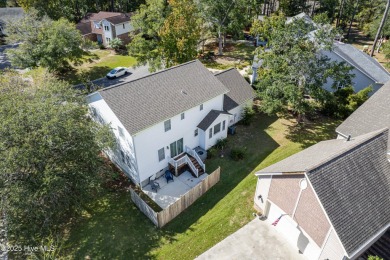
(149, 141)
(120, 30)
(222, 134)
(332, 248)
(107, 34)
(359, 82)
(262, 188)
(126, 161)
(294, 234)
(237, 112)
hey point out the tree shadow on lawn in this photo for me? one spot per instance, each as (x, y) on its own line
(114, 228)
(312, 132)
(75, 77)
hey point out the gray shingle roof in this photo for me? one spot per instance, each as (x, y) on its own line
(315, 155)
(240, 90)
(362, 62)
(146, 101)
(11, 13)
(354, 189)
(374, 114)
(210, 118)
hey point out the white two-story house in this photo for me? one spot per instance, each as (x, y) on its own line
(168, 118)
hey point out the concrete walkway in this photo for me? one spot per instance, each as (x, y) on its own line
(256, 240)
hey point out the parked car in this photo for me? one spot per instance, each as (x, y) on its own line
(117, 72)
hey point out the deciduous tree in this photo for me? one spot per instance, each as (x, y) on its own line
(165, 35)
(49, 149)
(294, 67)
(44, 42)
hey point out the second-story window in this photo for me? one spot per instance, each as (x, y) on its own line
(167, 125)
(106, 28)
(123, 26)
(182, 116)
(211, 132)
(201, 107)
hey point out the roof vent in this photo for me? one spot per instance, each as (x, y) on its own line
(349, 138)
(183, 92)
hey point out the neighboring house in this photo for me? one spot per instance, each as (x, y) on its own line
(158, 118)
(9, 14)
(331, 199)
(374, 114)
(103, 27)
(366, 70)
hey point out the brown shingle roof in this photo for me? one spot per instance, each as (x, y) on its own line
(84, 28)
(98, 16)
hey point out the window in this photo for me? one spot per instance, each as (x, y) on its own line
(196, 132)
(106, 28)
(123, 156)
(217, 128)
(108, 39)
(201, 107)
(223, 125)
(123, 26)
(128, 161)
(176, 147)
(182, 116)
(161, 154)
(121, 133)
(167, 125)
(210, 133)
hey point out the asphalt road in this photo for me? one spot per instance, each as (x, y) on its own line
(135, 73)
(4, 62)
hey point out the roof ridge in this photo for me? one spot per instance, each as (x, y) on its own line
(217, 73)
(347, 149)
(149, 75)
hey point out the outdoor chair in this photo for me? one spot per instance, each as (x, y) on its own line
(168, 176)
(155, 185)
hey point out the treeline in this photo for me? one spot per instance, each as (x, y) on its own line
(73, 10)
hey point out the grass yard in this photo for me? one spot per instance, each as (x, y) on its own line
(235, 54)
(96, 65)
(113, 228)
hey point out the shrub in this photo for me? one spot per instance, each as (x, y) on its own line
(221, 143)
(116, 44)
(89, 45)
(248, 115)
(212, 152)
(237, 154)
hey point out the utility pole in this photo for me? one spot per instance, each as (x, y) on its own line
(378, 33)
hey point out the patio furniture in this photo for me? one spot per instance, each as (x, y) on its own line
(155, 185)
(168, 176)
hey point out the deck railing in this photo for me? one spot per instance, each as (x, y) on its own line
(194, 154)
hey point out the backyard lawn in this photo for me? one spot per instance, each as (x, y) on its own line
(113, 228)
(96, 65)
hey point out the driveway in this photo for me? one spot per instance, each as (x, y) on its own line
(256, 240)
(4, 62)
(135, 73)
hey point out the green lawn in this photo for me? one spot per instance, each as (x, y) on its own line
(95, 65)
(113, 228)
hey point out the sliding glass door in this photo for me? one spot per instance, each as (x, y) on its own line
(176, 147)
